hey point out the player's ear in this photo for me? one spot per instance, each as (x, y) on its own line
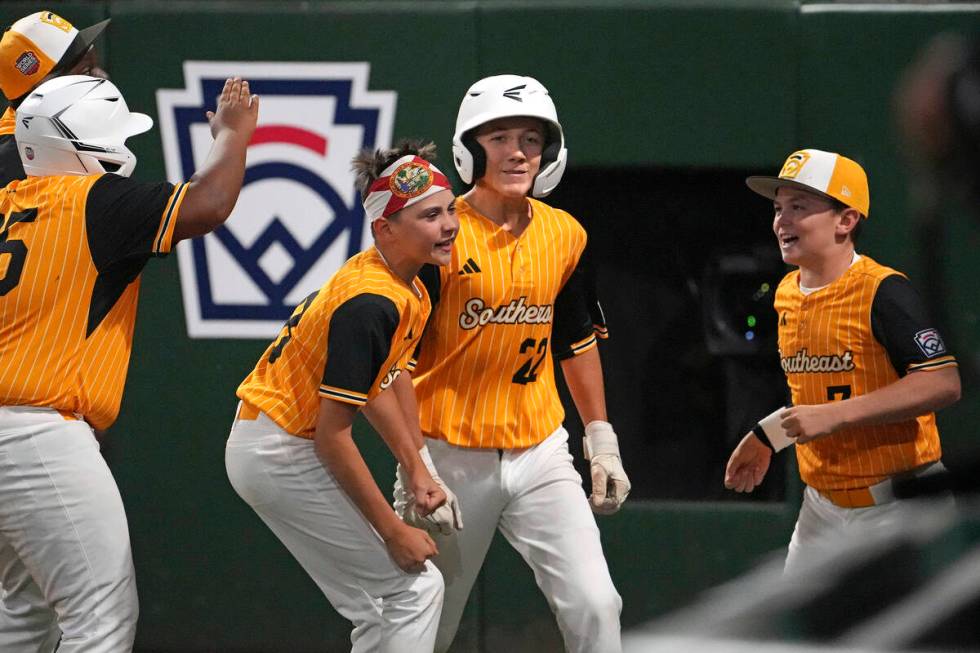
(381, 228)
(849, 220)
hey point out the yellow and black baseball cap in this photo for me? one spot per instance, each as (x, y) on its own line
(824, 173)
(37, 46)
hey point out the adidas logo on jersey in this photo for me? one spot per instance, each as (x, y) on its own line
(516, 312)
(803, 362)
(470, 267)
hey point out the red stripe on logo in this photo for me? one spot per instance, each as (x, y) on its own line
(292, 135)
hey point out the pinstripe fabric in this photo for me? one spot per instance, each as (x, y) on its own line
(485, 375)
(8, 124)
(45, 358)
(289, 389)
(831, 328)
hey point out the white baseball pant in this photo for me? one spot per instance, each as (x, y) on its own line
(280, 476)
(535, 497)
(823, 527)
(66, 570)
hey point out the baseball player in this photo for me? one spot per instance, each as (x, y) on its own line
(866, 369)
(291, 455)
(73, 241)
(32, 50)
(513, 298)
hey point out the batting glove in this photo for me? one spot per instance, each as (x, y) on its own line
(610, 487)
(443, 519)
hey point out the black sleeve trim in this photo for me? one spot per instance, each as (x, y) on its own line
(899, 322)
(578, 313)
(763, 438)
(122, 218)
(429, 276)
(359, 342)
(11, 167)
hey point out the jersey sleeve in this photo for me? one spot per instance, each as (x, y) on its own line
(431, 277)
(899, 322)
(11, 167)
(579, 319)
(358, 344)
(126, 218)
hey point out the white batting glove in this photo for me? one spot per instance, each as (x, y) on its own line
(444, 519)
(610, 487)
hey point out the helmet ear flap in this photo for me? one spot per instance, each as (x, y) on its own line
(478, 153)
(550, 154)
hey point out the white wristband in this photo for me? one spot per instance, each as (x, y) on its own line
(599, 439)
(427, 460)
(772, 426)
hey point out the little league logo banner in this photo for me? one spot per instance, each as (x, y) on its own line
(299, 216)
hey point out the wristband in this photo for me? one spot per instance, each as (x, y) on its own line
(763, 438)
(427, 460)
(770, 431)
(599, 439)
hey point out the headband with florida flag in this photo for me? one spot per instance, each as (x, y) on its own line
(408, 180)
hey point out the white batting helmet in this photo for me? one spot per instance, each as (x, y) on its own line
(77, 125)
(507, 96)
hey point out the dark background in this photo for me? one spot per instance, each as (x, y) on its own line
(666, 105)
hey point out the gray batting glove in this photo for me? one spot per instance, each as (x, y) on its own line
(610, 486)
(444, 519)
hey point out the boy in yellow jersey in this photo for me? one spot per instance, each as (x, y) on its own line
(34, 49)
(73, 242)
(346, 348)
(513, 297)
(866, 369)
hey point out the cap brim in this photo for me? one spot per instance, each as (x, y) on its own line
(767, 186)
(90, 34)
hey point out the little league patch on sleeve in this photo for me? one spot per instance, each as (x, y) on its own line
(930, 343)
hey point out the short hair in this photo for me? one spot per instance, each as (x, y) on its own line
(368, 165)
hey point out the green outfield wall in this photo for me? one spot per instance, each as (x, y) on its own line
(640, 85)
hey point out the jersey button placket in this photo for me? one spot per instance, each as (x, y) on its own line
(520, 266)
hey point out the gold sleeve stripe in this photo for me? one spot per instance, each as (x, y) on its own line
(601, 331)
(163, 240)
(410, 365)
(346, 396)
(583, 346)
(945, 361)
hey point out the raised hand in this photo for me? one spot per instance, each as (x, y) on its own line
(238, 109)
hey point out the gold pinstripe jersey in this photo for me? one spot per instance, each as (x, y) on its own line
(485, 375)
(71, 251)
(860, 333)
(346, 342)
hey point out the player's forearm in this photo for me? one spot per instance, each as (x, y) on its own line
(387, 416)
(913, 395)
(336, 449)
(213, 190)
(405, 392)
(583, 376)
